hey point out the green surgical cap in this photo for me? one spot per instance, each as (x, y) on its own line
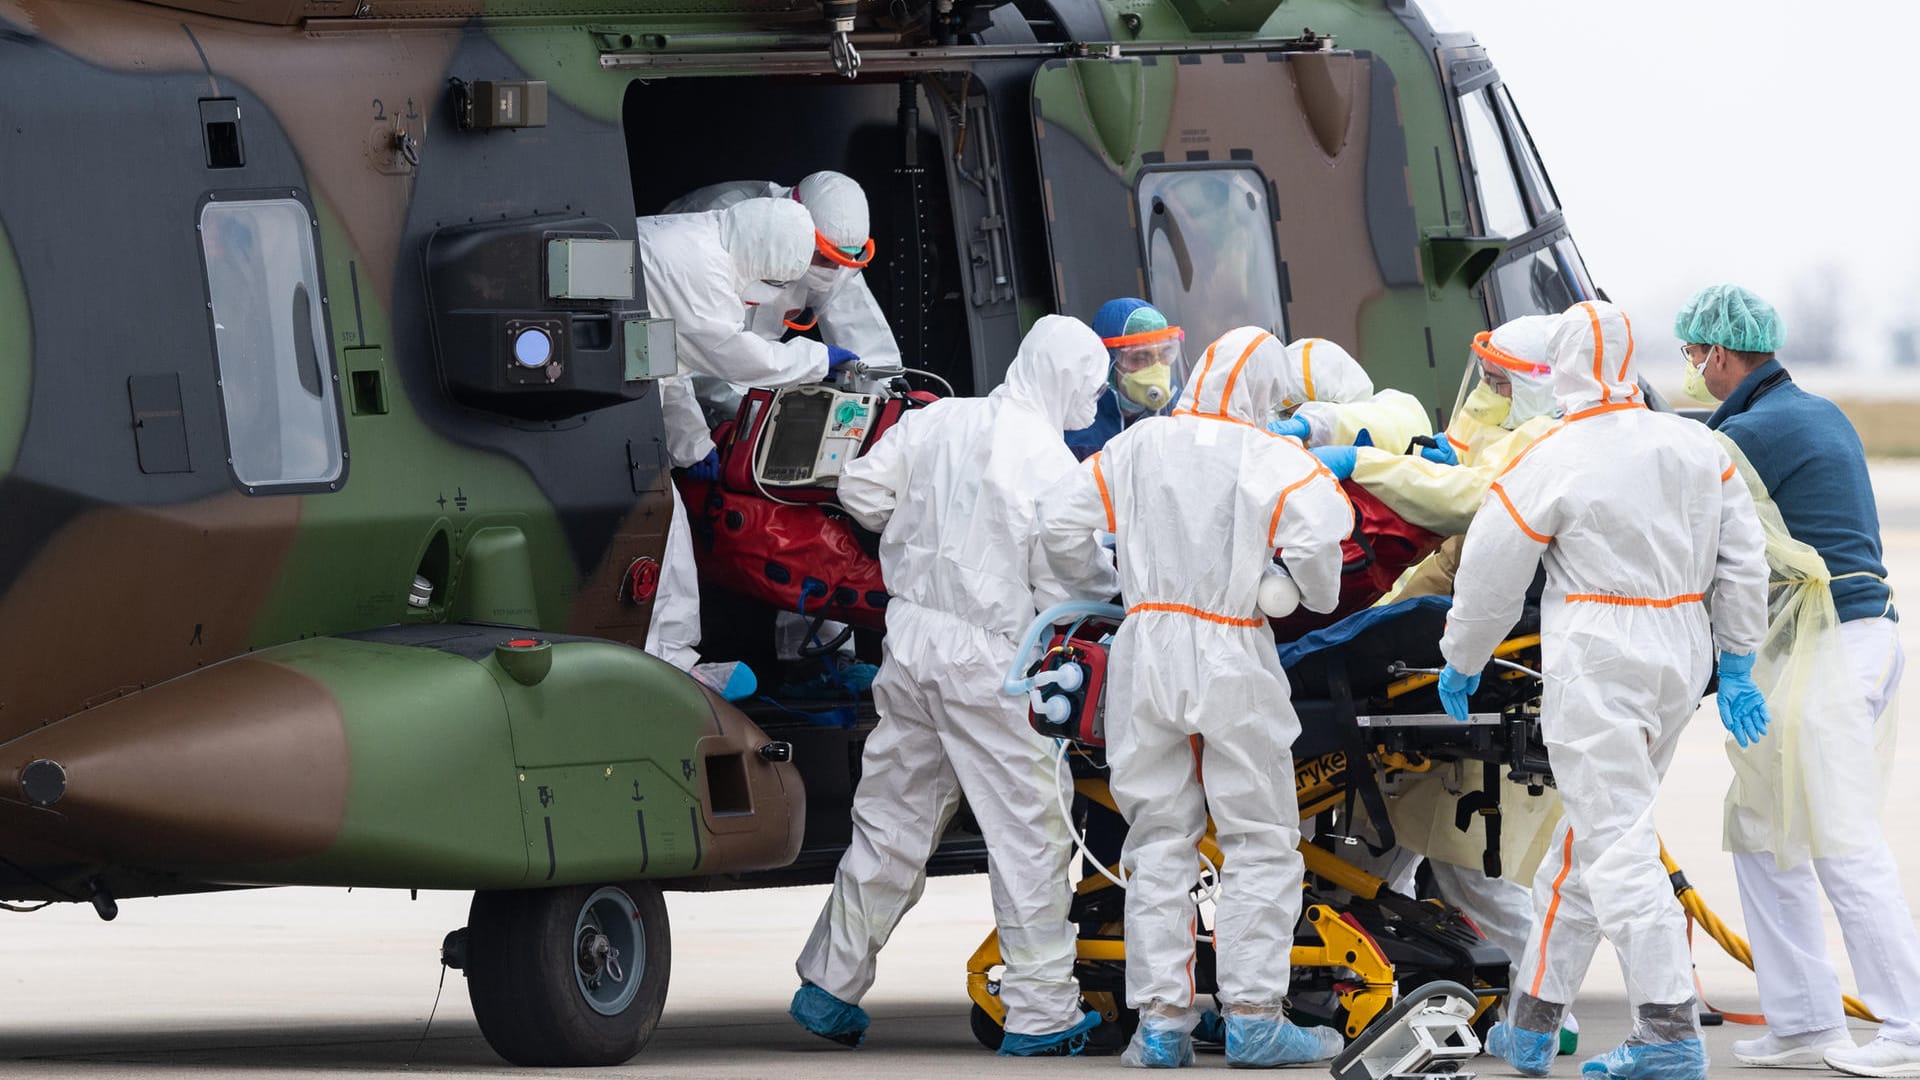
(1732, 318)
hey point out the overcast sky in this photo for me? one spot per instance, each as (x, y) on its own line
(1772, 144)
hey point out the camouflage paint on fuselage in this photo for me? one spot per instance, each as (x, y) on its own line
(136, 575)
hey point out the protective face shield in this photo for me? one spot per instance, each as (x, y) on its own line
(1513, 363)
(1147, 369)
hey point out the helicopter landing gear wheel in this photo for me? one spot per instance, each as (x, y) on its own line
(571, 976)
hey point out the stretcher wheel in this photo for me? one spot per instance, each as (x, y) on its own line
(986, 1030)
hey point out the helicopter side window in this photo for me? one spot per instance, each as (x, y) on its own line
(1502, 208)
(277, 389)
(1211, 261)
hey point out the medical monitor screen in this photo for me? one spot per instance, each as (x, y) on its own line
(795, 440)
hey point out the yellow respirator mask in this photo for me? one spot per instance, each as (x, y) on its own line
(1487, 406)
(1695, 385)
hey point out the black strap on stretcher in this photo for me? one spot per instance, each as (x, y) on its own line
(1362, 785)
(1487, 801)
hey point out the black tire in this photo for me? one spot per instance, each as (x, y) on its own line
(523, 982)
(986, 1030)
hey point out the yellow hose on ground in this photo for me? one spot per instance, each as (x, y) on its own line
(1735, 946)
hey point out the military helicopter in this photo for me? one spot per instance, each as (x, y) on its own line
(332, 477)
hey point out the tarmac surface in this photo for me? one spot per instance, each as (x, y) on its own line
(313, 982)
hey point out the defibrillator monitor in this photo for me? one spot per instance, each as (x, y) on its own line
(811, 434)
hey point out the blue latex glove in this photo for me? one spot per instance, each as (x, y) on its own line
(707, 468)
(1292, 425)
(1743, 709)
(1339, 460)
(837, 356)
(1441, 453)
(1455, 685)
(1364, 438)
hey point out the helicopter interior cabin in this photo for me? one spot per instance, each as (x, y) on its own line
(892, 137)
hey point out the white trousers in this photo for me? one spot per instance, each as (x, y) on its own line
(946, 730)
(673, 630)
(1799, 990)
(1179, 676)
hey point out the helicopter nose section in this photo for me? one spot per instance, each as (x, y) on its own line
(244, 762)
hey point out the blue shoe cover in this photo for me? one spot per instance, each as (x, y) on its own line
(827, 1016)
(1212, 1027)
(1684, 1060)
(1531, 1052)
(1158, 1045)
(1258, 1042)
(1069, 1043)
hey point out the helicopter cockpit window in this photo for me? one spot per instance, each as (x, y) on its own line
(1543, 198)
(1502, 206)
(270, 340)
(1211, 264)
(1546, 282)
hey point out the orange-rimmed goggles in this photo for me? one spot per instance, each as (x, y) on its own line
(1131, 353)
(1145, 337)
(839, 256)
(1485, 349)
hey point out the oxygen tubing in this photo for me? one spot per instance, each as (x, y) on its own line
(1734, 945)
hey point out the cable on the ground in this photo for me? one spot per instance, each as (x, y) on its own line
(431, 1013)
(1733, 944)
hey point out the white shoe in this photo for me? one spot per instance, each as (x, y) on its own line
(1881, 1057)
(1807, 1051)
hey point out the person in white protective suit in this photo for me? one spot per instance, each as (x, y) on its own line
(706, 272)
(951, 490)
(1198, 502)
(1332, 400)
(833, 294)
(1638, 516)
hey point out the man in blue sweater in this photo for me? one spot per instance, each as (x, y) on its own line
(1809, 459)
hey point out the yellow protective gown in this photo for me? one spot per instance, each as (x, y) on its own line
(1799, 793)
